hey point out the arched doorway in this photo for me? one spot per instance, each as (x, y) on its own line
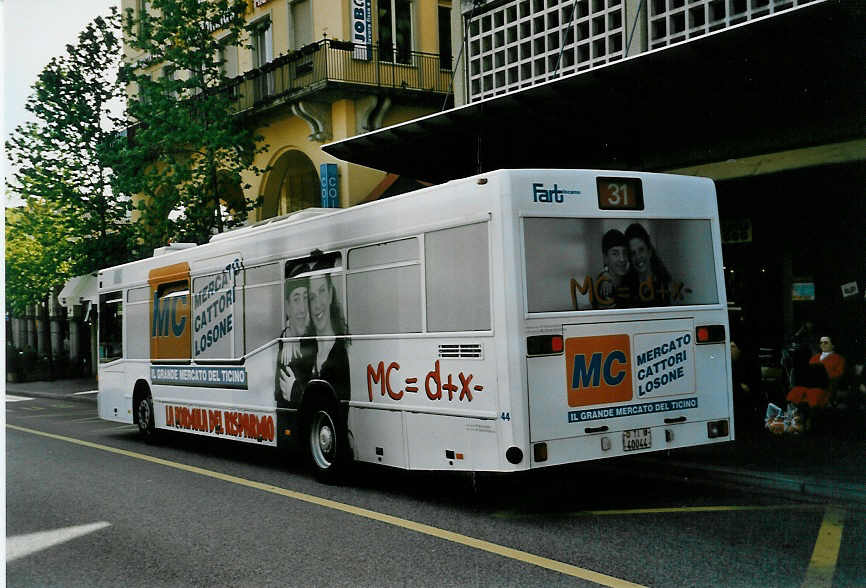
(292, 184)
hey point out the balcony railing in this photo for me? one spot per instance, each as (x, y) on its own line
(320, 64)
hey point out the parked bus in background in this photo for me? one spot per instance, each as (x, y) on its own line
(513, 320)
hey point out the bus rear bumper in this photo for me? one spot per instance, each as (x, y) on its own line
(608, 444)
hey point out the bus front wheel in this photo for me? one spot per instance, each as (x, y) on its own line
(326, 443)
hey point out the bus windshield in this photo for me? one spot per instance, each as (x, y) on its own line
(592, 264)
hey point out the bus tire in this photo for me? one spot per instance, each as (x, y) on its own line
(144, 417)
(326, 442)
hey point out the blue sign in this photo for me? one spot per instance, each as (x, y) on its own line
(362, 29)
(330, 186)
(595, 414)
(212, 377)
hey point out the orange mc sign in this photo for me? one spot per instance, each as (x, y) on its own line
(598, 370)
(170, 312)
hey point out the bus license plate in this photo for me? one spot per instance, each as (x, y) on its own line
(637, 439)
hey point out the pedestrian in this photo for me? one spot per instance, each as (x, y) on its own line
(748, 401)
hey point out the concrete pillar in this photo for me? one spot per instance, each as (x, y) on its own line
(459, 12)
(19, 332)
(787, 286)
(57, 319)
(43, 333)
(635, 25)
(74, 335)
(30, 319)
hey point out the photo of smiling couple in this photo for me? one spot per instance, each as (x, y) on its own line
(312, 345)
(633, 273)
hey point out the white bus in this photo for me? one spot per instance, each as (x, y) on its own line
(508, 321)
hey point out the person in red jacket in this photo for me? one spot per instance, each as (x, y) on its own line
(832, 361)
(817, 393)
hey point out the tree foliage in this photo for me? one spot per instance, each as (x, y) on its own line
(188, 150)
(39, 253)
(61, 159)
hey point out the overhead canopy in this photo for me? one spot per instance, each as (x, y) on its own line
(78, 290)
(788, 81)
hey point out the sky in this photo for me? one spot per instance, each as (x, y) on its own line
(34, 31)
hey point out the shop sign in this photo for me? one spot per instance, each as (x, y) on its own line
(362, 28)
(803, 291)
(850, 290)
(737, 230)
(330, 186)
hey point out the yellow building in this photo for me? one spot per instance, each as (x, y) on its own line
(314, 71)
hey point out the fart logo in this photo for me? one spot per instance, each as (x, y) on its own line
(555, 194)
(598, 370)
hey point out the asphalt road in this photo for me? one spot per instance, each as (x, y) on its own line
(90, 504)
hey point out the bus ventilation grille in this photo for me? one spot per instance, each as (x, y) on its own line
(467, 351)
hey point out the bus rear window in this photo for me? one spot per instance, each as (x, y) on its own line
(592, 264)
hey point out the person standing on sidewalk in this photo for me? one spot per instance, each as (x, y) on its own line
(748, 401)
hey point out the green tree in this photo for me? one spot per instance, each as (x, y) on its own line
(39, 253)
(62, 158)
(188, 150)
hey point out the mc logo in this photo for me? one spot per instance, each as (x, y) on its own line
(598, 370)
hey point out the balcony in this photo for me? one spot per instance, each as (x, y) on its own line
(343, 68)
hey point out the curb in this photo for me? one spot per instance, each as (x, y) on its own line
(793, 485)
(32, 389)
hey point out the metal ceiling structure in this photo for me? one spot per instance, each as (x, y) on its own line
(788, 81)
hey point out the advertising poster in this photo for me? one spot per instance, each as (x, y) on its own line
(311, 345)
(592, 264)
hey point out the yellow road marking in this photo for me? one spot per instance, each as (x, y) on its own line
(666, 510)
(826, 553)
(480, 544)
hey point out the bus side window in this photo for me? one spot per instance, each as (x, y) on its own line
(383, 288)
(456, 263)
(217, 319)
(263, 302)
(138, 323)
(110, 326)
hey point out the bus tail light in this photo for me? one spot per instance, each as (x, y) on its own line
(710, 334)
(717, 429)
(544, 345)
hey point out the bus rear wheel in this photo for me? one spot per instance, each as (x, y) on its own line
(144, 412)
(326, 443)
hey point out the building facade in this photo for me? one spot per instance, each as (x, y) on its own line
(519, 43)
(790, 257)
(757, 94)
(313, 71)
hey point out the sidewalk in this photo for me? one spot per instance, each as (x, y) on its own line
(828, 464)
(54, 389)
